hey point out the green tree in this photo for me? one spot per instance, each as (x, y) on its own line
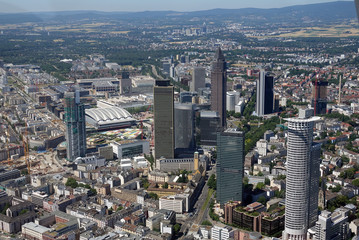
(212, 182)
(267, 181)
(262, 199)
(71, 182)
(260, 185)
(355, 182)
(165, 185)
(176, 228)
(206, 223)
(153, 196)
(92, 192)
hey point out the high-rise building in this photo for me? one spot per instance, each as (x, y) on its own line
(332, 225)
(230, 160)
(163, 94)
(319, 96)
(186, 97)
(219, 86)
(265, 95)
(184, 126)
(209, 125)
(231, 102)
(125, 83)
(302, 186)
(75, 125)
(198, 79)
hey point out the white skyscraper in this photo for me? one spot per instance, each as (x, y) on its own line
(301, 210)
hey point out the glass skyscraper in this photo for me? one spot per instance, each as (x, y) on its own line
(230, 159)
(75, 126)
(163, 94)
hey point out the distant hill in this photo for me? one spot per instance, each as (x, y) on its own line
(322, 12)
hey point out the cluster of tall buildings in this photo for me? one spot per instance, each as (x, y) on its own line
(174, 129)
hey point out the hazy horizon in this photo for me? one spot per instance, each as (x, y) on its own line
(22, 6)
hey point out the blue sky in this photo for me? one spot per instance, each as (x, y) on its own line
(142, 5)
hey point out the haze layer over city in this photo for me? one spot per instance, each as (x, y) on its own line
(179, 120)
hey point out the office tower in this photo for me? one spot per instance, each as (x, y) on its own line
(125, 83)
(75, 125)
(265, 97)
(332, 225)
(303, 174)
(357, 7)
(209, 125)
(198, 79)
(319, 96)
(186, 97)
(184, 126)
(230, 159)
(276, 103)
(219, 86)
(163, 94)
(166, 65)
(231, 102)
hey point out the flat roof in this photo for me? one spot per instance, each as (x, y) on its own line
(303, 120)
(35, 227)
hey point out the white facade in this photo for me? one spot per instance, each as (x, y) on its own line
(172, 203)
(260, 93)
(302, 177)
(130, 148)
(33, 231)
(92, 160)
(231, 102)
(262, 147)
(332, 226)
(219, 233)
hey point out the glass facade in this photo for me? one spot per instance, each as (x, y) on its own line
(230, 160)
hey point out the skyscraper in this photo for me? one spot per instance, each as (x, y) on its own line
(302, 186)
(319, 97)
(219, 86)
(198, 79)
(75, 125)
(184, 126)
(163, 94)
(265, 95)
(230, 159)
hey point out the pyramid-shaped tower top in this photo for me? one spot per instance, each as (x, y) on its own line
(219, 54)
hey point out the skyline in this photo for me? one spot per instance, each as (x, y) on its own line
(8, 6)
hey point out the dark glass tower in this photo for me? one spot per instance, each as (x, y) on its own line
(184, 126)
(163, 94)
(319, 96)
(219, 86)
(230, 159)
(75, 126)
(265, 95)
